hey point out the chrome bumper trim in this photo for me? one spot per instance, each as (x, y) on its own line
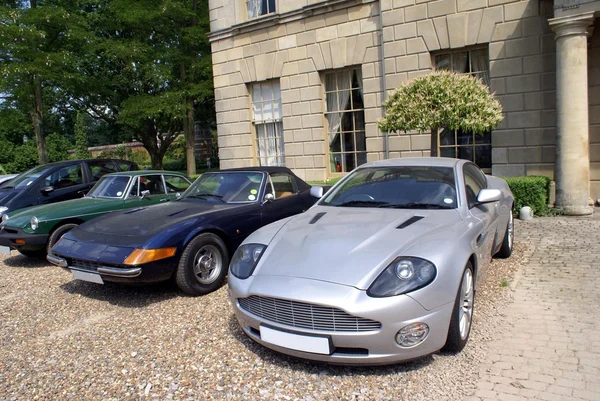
(58, 261)
(111, 271)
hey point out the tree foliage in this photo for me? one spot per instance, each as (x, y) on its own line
(81, 138)
(442, 99)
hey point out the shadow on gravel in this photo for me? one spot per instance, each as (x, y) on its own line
(27, 262)
(123, 295)
(320, 368)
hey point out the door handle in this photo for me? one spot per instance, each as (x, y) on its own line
(480, 239)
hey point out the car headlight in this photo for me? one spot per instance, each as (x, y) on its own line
(245, 260)
(2, 210)
(34, 222)
(404, 274)
(4, 218)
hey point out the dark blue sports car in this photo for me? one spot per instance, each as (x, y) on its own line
(191, 238)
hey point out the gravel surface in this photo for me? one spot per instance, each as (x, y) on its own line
(63, 339)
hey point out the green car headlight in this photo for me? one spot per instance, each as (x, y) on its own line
(35, 223)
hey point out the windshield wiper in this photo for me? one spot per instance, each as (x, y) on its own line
(205, 195)
(363, 203)
(416, 205)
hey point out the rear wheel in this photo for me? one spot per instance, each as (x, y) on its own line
(462, 315)
(203, 265)
(509, 237)
(57, 234)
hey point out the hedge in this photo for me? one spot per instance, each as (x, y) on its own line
(532, 191)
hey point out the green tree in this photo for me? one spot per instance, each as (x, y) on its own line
(81, 138)
(442, 99)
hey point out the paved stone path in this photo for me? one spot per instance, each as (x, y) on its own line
(549, 345)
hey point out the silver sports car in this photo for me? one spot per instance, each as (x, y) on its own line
(382, 269)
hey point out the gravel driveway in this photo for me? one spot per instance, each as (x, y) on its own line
(67, 339)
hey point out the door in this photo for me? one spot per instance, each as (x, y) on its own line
(63, 184)
(286, 200)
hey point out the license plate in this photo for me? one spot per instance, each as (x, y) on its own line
(314, 344)
(4, 250)
(91, 277)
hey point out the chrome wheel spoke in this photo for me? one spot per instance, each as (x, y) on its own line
(465, 313)
(207, 264)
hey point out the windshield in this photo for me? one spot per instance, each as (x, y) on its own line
(227, 187)
(27, 178)
(410, 187)
(110, 187)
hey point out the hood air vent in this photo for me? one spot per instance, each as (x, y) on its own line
(410, 221)
(317, 217)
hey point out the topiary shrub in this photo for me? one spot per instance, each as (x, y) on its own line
(532, 191)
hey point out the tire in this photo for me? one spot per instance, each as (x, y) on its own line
(39, 254)
(459, 330)
(203, 265)
(57, 234)
(509, 238)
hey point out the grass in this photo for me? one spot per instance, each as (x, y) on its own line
(504, 283)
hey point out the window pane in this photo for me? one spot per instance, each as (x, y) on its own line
(485, 138)
(344, 100)
(336, 162)
(460, 62)
(357, 99)
(347, 122)
(465, 152)
(330, 80)
(464, 138)
(442, 62)
(361, 141)
(483, 156)
(266, 93)
(271, 5)
(447, 137)
(349, 141)
(359, 120)
(350, 162)
(448, 152)
(335, 145)
(267, 111)
(277, 110)
(256, 93)
(361, 158)
(175, 184)
(332, 103)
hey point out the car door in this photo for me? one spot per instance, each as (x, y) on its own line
(63, 184)
(145, 191)
(475, 181)
(286, 199)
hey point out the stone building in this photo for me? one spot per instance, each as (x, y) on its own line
(300, 83)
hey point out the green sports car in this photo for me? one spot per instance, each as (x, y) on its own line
(33, 231)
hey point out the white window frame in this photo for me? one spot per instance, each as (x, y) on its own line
(254, 8)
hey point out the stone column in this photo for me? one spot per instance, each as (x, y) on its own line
(572, 169)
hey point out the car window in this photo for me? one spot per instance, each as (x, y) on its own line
(152, 183)
(415, 187)
(27, 178)
(125, 166)
(110, 187)
(133, 191)
(475, 181)
(176, 184)
(100, 168)
(64, 177)
(283, 185)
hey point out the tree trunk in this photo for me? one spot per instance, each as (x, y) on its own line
(434, 142)
(188, 129)
(37, 118)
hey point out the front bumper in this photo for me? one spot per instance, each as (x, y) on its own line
(148, 273)
(33, 242)
(375, 347)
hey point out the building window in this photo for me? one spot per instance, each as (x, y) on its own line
(266, 115)
(256, 8)
(466, 145)
(345, 120)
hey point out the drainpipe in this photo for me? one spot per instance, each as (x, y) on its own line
(386, 142)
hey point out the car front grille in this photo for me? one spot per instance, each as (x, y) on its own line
(306, 316)
(84, 264)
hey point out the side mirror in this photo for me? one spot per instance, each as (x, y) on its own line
(177, 195)
(47, 190)
(317, 192)
(268, 198)
(145, 193)
(489, 196)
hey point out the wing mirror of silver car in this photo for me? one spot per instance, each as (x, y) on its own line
(144, 194)
(489, 196)
(317, 192)
(268, 198)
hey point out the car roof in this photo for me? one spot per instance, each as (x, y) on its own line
(148, 172)
(67, 162)
(264, 169)
(415, 161)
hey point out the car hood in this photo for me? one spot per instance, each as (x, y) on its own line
(351, 246)
(148, 221)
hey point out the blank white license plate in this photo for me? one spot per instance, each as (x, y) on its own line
(314, 344)
(91, 277)
(4, 250)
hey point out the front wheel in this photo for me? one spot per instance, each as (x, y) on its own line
(509, 237)
(462, 314)
(203, 265)
(57, 234)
